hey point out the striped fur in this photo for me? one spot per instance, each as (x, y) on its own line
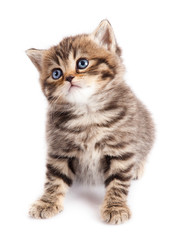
(97, 131)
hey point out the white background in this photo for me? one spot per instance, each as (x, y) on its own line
(147, 33)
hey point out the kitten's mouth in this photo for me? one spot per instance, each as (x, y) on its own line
(72, 86)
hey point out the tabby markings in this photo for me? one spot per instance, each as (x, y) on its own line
(56, 173)
(122, 157)
(119, 176)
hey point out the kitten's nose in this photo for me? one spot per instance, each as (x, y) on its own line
(69, 78)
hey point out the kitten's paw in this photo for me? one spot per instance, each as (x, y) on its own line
(42, 209)
(115, 214)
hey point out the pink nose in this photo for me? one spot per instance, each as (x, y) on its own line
(69, 78)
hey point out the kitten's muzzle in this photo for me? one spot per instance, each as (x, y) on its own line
(69, 78)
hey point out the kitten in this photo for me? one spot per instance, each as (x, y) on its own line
(97, 130)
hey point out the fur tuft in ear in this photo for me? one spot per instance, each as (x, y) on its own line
(35, 56)
(104, 36)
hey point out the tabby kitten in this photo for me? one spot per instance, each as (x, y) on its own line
(97, 130)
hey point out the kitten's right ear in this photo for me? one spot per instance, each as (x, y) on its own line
(104, 36)
(35, 56)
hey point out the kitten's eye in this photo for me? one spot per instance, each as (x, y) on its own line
(82, 63)
(57, 73)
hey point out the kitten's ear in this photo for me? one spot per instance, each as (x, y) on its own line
(35, 56)
(104, 36)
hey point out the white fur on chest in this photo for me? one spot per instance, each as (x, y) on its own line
(80, 95)
(90, 166)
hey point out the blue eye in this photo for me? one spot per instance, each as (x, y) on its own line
(82, 63)
(57, 73)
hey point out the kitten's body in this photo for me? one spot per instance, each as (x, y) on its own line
(97, 130)
(92, 134)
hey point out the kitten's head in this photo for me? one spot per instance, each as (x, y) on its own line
(78, 67)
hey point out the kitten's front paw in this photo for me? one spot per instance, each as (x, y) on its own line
(42, 209)
(115, 213)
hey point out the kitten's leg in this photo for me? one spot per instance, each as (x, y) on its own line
(139, 170)
(114, 209)
(117, 181)
(59, 177)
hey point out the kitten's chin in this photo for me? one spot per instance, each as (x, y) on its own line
(79, 95)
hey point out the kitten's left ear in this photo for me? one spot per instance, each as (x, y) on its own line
(104, 36)
(35, 56)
